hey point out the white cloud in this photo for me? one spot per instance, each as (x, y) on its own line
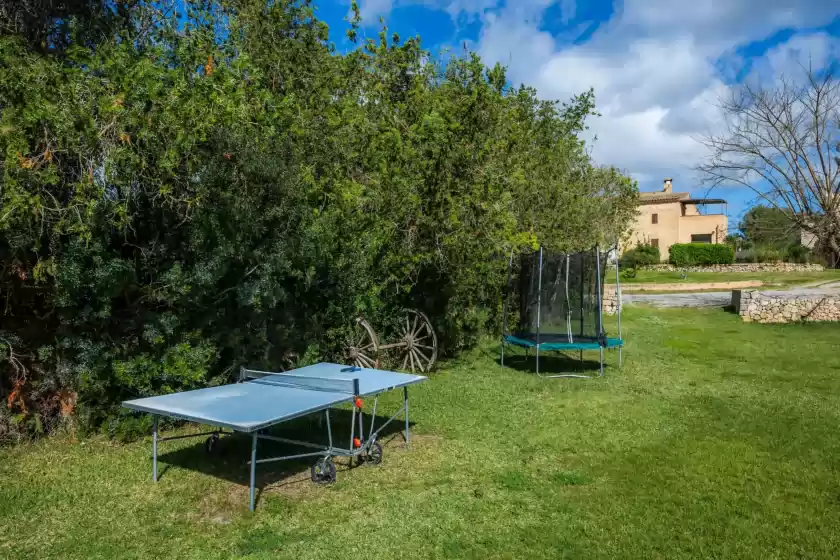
(371, 10)
(817, 49)
(654, 68)
(658, 67)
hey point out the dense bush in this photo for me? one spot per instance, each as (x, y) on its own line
(767, 255)
(794, 253)
(185, 193)
(701, 254)
(798, 253)
(642, 255)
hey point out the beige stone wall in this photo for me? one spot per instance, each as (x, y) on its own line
(742, 267)
(787, 307)
(610, 302)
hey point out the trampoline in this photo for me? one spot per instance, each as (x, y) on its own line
(560, 305)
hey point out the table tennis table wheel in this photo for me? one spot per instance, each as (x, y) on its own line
(211, 444)
(323, 472)
(374, 454)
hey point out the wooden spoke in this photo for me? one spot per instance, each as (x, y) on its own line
(420, 358)
(363, 348)
(365, 361)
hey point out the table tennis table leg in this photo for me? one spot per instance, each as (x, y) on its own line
(253, 466)
(361, 426)
(373, 417)
(352, 448)
(329, 430)
(405, 402)
(154, 447)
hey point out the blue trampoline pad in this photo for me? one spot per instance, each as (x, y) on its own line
(560, 342)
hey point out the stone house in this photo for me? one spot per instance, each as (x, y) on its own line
(668, 217)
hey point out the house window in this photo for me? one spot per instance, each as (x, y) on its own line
(654, 242)
(702, 238)
(654, 219)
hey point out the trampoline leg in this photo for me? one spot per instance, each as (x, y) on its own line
(602, 361)
(503, 352)
(253, 467)
(619, 357)
(581, 355)
(154, 448)
(538, 361)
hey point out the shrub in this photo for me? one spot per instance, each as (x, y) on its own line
(643, 255)
(798, 253)
(768, 255)
(647, 255)
(745, 256)
(701, 254)
(628, 273)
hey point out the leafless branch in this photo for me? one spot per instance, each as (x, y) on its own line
(783, 142)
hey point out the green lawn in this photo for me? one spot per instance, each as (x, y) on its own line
(717, 439)
(776, 278)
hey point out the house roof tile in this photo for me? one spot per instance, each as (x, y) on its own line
(657, 197)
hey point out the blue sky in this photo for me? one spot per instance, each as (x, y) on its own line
(657, 66)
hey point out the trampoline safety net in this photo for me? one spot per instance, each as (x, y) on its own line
(559, 300)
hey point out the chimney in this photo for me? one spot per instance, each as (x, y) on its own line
(667, 188)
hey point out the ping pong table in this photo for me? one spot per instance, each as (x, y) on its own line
(262, 399)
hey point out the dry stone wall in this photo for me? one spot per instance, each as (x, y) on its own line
(741, 267)
(610, 302)
(787, 307)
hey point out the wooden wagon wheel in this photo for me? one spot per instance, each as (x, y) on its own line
(363, 348)
(418, 342)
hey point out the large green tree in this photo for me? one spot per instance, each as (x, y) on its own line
(766, 226)
(183, 193)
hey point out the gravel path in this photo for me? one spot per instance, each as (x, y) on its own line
(718, 299)
(702, 299)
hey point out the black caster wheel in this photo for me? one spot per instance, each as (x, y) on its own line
(374, 454)
(323, 472)
(211, 444)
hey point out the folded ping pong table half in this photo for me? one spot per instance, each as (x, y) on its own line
(264, 399)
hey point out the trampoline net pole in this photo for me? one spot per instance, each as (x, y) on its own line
(507, 294)
(505, 306)
(600, 311)
(581, 278)
(617, 291)
(618, 304)
(568, 304)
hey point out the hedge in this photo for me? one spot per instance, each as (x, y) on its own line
(643, 255)
(700, 254)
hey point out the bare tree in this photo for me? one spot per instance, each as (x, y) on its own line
(783, 142)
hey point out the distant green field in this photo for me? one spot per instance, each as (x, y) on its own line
(717, 439)
(776, 278)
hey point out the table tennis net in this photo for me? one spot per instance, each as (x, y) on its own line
(349, 386)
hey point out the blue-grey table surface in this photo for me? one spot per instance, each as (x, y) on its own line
(254, 405)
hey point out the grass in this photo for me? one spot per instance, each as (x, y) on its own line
(780, 279)
(716, 439)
